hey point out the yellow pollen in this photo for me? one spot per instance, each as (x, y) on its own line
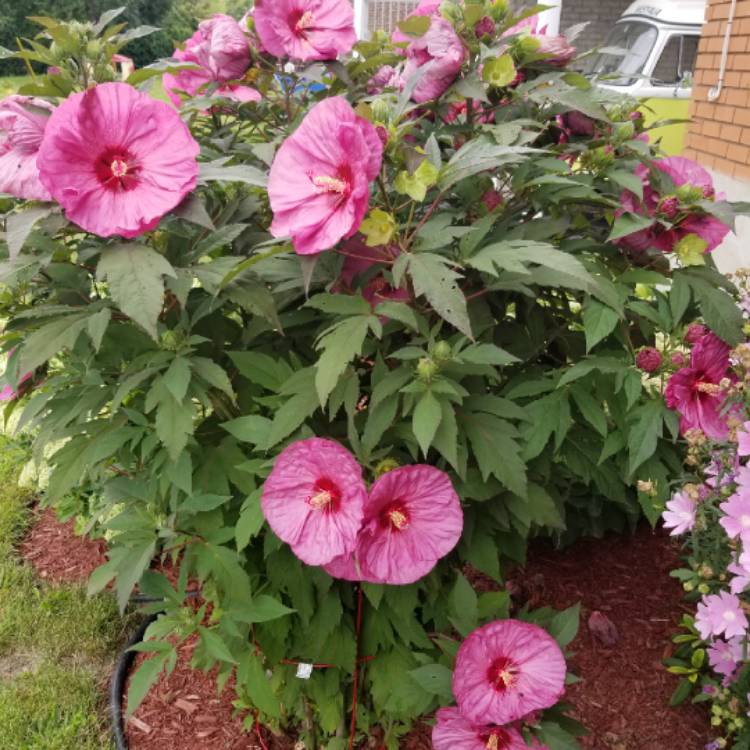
(326, 184)
(305, 22)
(119, 168)
(492, 742)
(321, 500)
(398, 519)
(712, 388)
(507, 677)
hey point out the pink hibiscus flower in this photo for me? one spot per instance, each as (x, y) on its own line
(23, 120)
(413, 517)
(117, 160)
(695, 392)
(681, 171)
(507, 669)
(319, 186)
(306, 29)
(313, 499)
(441, 53)
(222, 51)
(453, 732)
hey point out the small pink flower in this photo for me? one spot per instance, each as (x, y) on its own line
(695, 392)
(736, 518)
(117, 160)
(649, 359)
(725, 656)
(453, 732)
(484, 27)
(306, 29)
(23, 120)
(386, 77)
(720, 614)
(743, 440)
(679, 514)
(441, 50)
(695, 332)
(507, 669)
(740, 571)
(313, 499)
(413, 517)
(678, 359)
(220, 48)
(319, 186)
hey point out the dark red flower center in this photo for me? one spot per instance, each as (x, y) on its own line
(117, 169)
(300, 21)
(395, 516)
(326, 496)
(503, 674)
(494, 738)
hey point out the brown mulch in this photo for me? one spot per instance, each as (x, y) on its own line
(624, 692)
(56, 553)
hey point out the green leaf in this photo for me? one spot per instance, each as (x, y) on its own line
(340, 344)
(556, 738)
(416, 185)
(628, 180)
(177, 378)
(464, 608)
(250, 429)
(97, 325)
(143, 679)
(414, 26)
(250, 521)
(50, 339)
(135, 274)
(598, 322)
(434, 679)
(434, 278)
(18, 226)
(217, 171)
(563, 627)
(399, 311)
(258, 687)
(628, 223)
(487, 354)
(679, 296)
(292, 414)
(590, 408)
(340, 304)
(215, 645)
(478, 155)
(644, 434)
(213, 374)
(219, 238)
(174, 424)
(721, 313)
(426, 419)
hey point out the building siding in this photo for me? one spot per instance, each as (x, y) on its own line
(719, 134)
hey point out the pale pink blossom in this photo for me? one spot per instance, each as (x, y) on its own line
(319, 186)
(725, 656)
(720, 614)
(680, 514)
(23, 120)
(314, 498)
(743, 440)
(556, 47)
(305, 30)
(740, 571)
(507, 669)
(436, 57)
(106, 159)
(736, 518)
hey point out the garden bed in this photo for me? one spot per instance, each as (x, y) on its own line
(622, 697)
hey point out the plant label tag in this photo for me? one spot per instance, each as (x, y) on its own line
(304, 671)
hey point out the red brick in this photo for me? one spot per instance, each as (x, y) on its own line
(731, 133)
(732, 78)
(716, 44)
(737, 44)
(717, 148)
(711, 129)
(738, 154)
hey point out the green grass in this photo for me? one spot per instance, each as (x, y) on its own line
(56, 645)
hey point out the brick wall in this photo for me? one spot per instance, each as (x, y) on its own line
(719, 135)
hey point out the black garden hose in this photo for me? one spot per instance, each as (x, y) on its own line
(117, 685)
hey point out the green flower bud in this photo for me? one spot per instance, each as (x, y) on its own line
(442, 351)
(170, 340)
(386, 465)
(624, 132)
(704, 588)
(427, 369)
(381, 111)
(688, 193)
(688, 586)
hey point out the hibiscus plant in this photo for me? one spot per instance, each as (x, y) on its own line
(331, 329)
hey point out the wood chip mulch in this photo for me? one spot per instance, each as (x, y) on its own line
(56, 553)
(623, 581)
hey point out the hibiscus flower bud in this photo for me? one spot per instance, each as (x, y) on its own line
(384, 466)
(688, 193)
(442, 351)
(427, 369)
(695, 333)
(669, 207)
(492, 199)
(678, 359)
(649, 359)
(485, 27)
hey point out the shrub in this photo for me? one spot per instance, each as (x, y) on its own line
(459, 251)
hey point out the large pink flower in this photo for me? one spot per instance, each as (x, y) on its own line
(117, 160)
(454, 732)
(506, 670)
(319, 186)
(695, 392)
(22, 123)
(221, 50)
(306, 29)
(681, 171)
(313, 499)
(413, 517)
(441, 53)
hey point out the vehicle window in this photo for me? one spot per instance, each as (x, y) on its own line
(625, 52)
(676, 62)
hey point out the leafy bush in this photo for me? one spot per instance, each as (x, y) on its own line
(511, 261)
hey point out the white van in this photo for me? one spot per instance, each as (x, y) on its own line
(650, 54)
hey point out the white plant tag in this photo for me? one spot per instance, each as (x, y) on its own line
(304, 671)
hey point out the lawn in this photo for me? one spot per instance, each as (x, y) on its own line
(56, 645)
